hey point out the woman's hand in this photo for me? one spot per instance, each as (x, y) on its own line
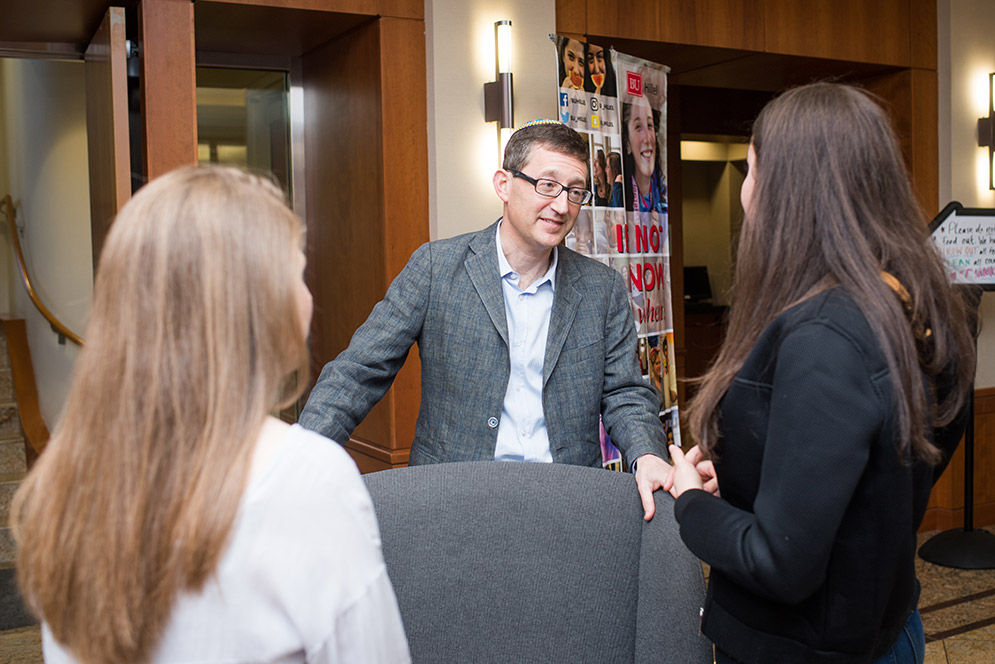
(706, 470)
(684, 475)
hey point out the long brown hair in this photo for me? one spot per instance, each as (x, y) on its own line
(193, 335)
(832, 205)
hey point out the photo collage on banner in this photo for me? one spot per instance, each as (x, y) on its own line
(620, 103)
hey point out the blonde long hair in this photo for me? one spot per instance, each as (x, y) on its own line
(193, 336)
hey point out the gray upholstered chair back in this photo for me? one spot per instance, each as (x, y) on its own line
(529, 562)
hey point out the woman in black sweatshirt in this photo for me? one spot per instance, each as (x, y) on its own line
(836, 399)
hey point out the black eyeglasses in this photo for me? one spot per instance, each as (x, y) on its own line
(552, 188)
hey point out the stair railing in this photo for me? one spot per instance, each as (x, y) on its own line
(25, 389)
(60, 329)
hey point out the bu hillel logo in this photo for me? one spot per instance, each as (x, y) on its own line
(564, 107)
(634, 83)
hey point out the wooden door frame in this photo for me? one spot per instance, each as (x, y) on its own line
(397, 222)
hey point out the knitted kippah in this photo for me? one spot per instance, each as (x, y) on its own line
(542, 121)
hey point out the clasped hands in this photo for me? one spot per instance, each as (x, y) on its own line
(690, 471)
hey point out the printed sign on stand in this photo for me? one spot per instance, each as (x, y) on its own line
(620, 104)
(965, 238)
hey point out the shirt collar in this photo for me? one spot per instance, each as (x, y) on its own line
(504, 267)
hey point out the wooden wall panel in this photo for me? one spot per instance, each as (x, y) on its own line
(632, 19)
(396, 8)
(571, 16)
(675, 217)
(344, 188)
(925, 139)
(922, 43)
(404, 9)
(169, 105)
(369, 7)
(858, 30)
(946, 503)
(107, 126)
(367, 201)
(724, 23)
(910, 97)
(404, 164)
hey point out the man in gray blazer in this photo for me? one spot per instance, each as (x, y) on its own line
(523, 343)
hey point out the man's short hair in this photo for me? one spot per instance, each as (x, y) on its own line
(552, 135)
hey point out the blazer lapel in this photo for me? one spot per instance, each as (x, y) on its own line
(565, 301)
(481, 266)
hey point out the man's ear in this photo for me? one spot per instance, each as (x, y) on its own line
(502, 184)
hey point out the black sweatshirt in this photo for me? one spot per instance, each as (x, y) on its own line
(812, 543)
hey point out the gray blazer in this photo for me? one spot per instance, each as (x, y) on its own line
(448, 299)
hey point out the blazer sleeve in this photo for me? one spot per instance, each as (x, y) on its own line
(629, 405)
(351, 384)
(825, 413)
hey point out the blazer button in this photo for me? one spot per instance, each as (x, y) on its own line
(492, 423)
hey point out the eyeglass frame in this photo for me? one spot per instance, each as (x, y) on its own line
(588, 194)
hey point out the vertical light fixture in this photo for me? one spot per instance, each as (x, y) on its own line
(986, 131)
(499, 97)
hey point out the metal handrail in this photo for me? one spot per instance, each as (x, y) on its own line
(57, 325)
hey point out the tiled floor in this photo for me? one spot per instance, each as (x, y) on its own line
(957, 606)
(958, 613)
(21, 646)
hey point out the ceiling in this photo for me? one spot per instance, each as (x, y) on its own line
(54, 25)
(64, 27)
(706, 66)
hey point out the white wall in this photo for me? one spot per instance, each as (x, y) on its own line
(965, 57)
(462, 148)
(45, 159)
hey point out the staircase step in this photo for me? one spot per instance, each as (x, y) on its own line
(4, 355)
(8, 552)
(6, 385)
(8, 485)
(12, 458)
(10, 423)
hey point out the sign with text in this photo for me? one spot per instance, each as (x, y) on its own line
(965, 238)
(619, 103)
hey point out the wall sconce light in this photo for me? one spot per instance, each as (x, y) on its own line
(986, 131)
(499, 97)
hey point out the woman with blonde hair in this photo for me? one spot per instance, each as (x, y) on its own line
(171, 518)
(836, 399)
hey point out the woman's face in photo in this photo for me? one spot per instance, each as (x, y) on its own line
(656, 370)
(585, 234)
(642, 137)
(596, 64)
(573, 63)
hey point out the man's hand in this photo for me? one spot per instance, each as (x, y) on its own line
(651, 473)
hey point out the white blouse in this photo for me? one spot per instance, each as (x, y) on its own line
(303, 579)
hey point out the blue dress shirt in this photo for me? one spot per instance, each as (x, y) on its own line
(522, 432)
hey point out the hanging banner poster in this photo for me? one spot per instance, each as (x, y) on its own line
(620, 103)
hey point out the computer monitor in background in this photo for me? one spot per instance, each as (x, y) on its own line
(696, 286)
